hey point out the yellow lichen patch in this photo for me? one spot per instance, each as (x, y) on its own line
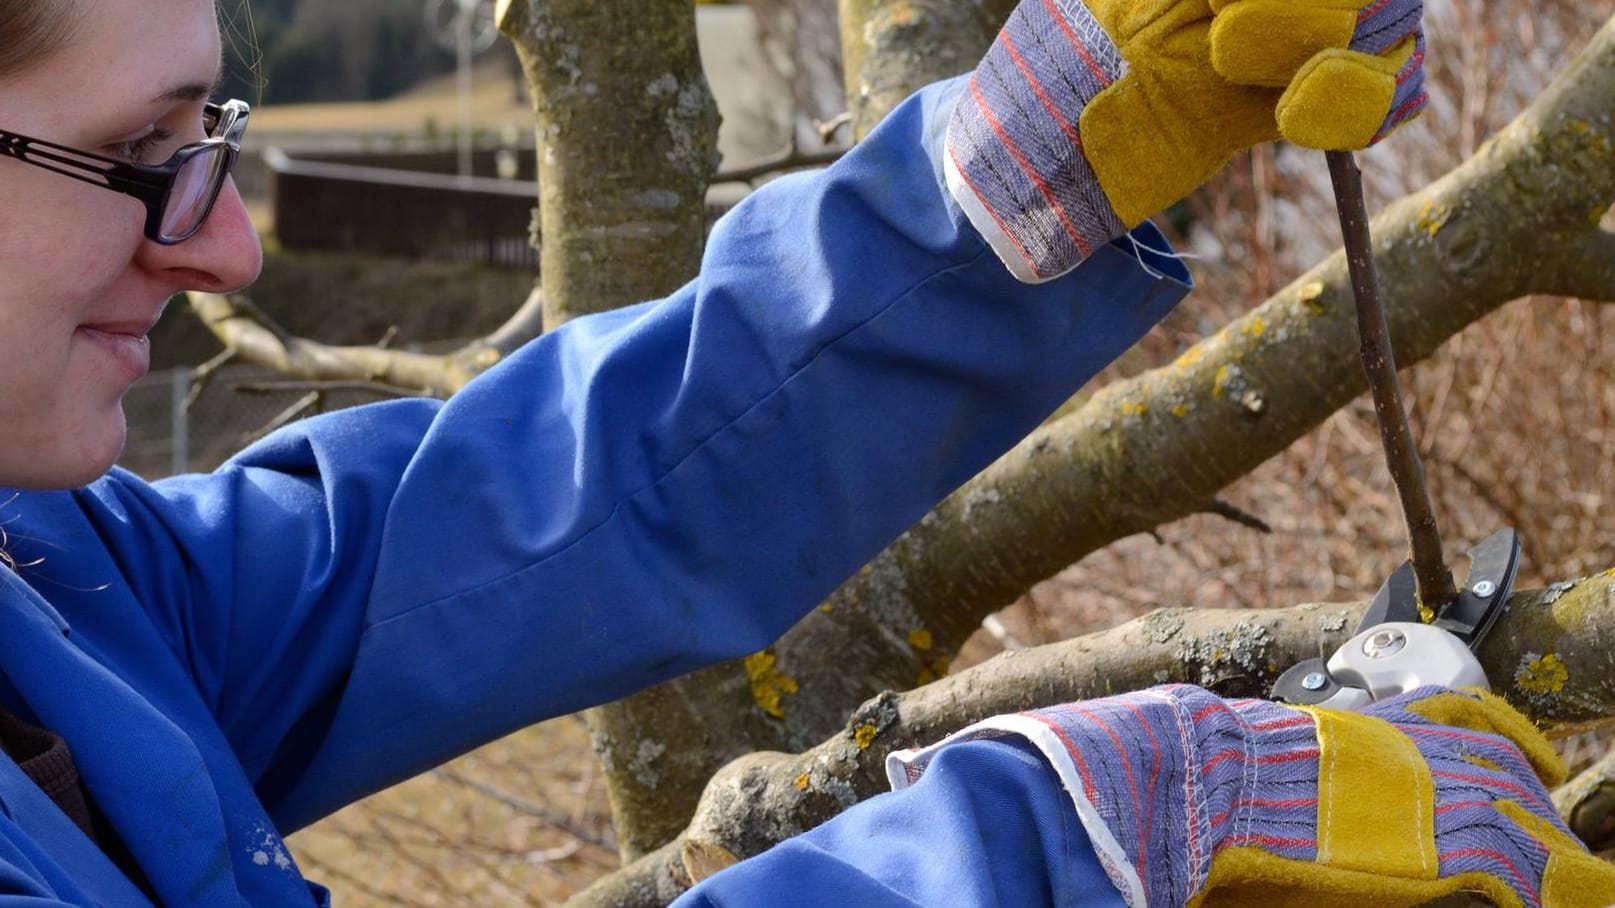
(1134, 408)
(1311, 296)
(1190, 357)
(801, 782)
(826, 609)
(1180, 411)
(1253, 327)
(1220, 383)
(920, 639)
(864, 735)
(1583, 128)
(1426, 613)
(768, 686)
(1433, 217)
(1542, 675)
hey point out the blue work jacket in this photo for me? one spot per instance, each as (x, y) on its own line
(369, 593)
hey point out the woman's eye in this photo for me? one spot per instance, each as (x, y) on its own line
(136, 151)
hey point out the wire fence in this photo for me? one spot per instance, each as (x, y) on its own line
(167, 436)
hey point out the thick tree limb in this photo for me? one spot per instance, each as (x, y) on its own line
(1506, 223)
(890, 48)
(1595, 280)
(599, 72)
(1549, 655)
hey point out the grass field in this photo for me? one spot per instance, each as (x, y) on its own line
(495, 107)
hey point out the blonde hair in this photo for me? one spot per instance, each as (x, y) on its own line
(31, 30)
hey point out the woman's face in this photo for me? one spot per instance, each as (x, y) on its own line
(80, 285)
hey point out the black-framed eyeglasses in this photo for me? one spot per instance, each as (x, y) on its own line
(178, 194)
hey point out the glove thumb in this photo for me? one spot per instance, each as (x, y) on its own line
(1343, 100)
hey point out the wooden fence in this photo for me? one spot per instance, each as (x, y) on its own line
(334, 206)
(411, 204)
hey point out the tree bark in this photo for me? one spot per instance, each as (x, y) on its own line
(1548, 655)
(627, 139)
(892, 48)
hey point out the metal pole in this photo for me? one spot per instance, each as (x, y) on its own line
(462, 28)
(180, 421)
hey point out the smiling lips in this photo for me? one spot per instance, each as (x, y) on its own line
(125, 342)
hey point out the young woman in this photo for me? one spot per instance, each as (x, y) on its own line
(192, 668)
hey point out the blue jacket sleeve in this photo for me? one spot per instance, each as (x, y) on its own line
(629, 497)
(987, 825)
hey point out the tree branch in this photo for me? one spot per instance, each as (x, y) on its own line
(1547, 655)
(790, 158)
(250, 336)
(892, 48)
(325, 387)
(598, 73)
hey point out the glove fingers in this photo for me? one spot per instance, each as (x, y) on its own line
(1490, 714)
(1342, 100)
(1266, 42)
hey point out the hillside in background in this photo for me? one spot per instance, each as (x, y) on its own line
(294, 51)
(287, 51)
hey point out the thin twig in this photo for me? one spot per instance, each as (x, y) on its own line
(788, 159)
(202, 375)
(304, 404)
(828, 128)
(519, 805)
(368, 387)
(1431, 576)
(1242, 517)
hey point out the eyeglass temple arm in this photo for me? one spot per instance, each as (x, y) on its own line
(115, 174)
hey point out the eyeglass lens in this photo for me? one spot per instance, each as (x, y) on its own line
(195, 187)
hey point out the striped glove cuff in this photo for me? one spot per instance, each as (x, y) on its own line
(1014, 156)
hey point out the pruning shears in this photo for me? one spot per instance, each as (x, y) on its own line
(1396, 649)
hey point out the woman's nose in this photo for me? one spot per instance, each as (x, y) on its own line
(224, 255)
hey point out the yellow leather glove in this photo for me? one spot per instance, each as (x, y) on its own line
(1084, 120)
(1205, 80)
(1423, 796)
(1194, 801)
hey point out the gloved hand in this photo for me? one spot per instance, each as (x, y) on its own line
(1084, 120)
(1193, 800)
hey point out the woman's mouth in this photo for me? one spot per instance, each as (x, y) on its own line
(126, 344)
